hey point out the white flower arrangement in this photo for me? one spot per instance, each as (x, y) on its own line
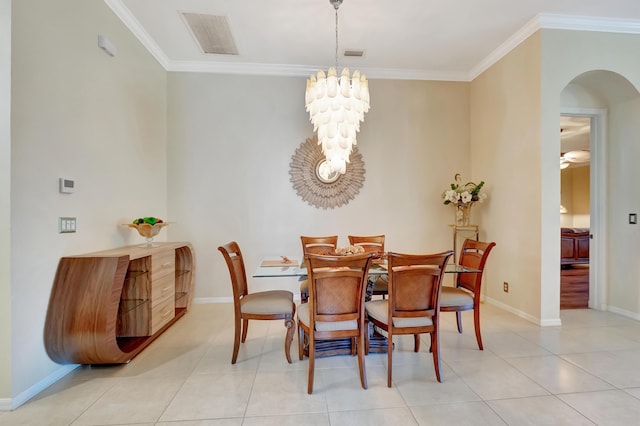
(460, 194)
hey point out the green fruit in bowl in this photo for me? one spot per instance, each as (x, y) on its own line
(149, 219)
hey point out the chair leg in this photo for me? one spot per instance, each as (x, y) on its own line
(353, 346)
(366, 337)
(476, 324)
(361, 363)
(300, 341)
(389, 358)
(416, 343)
(312, 359)
(436, 354)
(291, 326)
(245, 327)
(236, 341)
(459, 321)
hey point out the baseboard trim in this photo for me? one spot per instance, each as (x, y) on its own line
(9, 404)
(205, 300)
(522, 314)
(5, 404)
(623, 312)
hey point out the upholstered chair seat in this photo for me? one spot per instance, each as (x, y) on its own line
(304, 318)
(266, 302)
(451, 296)
(379, 310)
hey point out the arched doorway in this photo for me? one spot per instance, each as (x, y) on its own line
(613, 105)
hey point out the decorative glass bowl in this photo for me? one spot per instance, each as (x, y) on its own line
(148, 231)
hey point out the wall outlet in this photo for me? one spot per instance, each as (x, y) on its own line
(505, 287)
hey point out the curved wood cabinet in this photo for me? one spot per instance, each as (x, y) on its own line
(106, 307)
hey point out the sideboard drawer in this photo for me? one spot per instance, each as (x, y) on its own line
(162, 313)
(163, 264)
(162, 288)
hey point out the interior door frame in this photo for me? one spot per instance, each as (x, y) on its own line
(597, 203)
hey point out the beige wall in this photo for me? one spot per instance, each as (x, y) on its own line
(231, 139)
(81, 114)
(505, 152)
(5, 199)
(575, 197)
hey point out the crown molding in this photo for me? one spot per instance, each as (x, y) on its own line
(541, 21)
(138, 31)
(306, 71)
(589, 23)
(557, 22)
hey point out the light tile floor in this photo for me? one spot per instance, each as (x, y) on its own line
(585, 372)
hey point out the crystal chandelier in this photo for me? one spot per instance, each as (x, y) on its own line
(336, 107)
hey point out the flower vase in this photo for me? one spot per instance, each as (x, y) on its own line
(463, 214)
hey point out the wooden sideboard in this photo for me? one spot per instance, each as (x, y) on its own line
(106, 307)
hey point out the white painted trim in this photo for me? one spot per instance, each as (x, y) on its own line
(509, 44)
(8, 404)
(548, 21)
(138, 31)
(306, 71)
(522, 314)
(205, 300)
(589, 23)
(624, 312)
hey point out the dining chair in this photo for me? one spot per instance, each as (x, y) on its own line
(373, 244)
(336, 306)
(263, 305)
(466, 293)
(315, 245)
(412, 306)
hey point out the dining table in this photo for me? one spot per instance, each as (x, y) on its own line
(274, 267)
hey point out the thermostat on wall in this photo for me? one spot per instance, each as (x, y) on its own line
(67, 186)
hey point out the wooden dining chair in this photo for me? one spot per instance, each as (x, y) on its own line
(336, 306)
(466, 293)
(264, 305)
(373, 244)
(413, 303)
(315, 245)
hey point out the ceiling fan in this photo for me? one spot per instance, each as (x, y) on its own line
(579, 156)
(574, 136)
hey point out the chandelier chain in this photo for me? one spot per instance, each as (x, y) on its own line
(336, 57)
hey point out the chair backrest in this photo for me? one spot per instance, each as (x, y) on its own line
(319, 245)
(474, 255)
(337, 286)
(370, 244)
(414, 283)
(233, 256)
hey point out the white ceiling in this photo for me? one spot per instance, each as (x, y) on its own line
(404, 39)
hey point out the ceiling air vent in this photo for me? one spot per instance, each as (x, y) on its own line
(211, 32)
(354, 53)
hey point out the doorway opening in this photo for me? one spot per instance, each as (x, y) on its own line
(575, 212)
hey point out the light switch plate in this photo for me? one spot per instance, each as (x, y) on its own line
(66, 225)
(633, 218)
